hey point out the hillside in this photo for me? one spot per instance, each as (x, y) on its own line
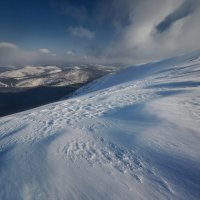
(129, 135)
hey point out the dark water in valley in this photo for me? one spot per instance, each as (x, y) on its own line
(14, 100)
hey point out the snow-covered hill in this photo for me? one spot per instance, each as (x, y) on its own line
(130, 135)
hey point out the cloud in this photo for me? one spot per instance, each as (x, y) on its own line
(145, 37)
(184, 10)
(7, 46)
(133, 31)
(12, 55)
(7, 51)
(71, 53)
(81, 32)
(45, 51)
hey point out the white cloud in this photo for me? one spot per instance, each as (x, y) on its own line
(45, 51)
(70, 53)
(81, 32)
(11, 54)
(139, 41)
(7, 45)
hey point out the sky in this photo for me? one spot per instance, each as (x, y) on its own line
(91, 31)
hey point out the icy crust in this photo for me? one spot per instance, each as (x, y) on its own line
(131, 135)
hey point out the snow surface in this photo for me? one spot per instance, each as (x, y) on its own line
(130, 135)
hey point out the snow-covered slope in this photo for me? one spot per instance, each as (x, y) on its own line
(131, 135)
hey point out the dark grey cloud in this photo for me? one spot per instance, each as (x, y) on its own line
(184, 10)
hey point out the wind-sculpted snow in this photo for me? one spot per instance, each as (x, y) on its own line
(131, 135)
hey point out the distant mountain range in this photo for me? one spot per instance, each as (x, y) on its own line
(53, 76)
(27, 87)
